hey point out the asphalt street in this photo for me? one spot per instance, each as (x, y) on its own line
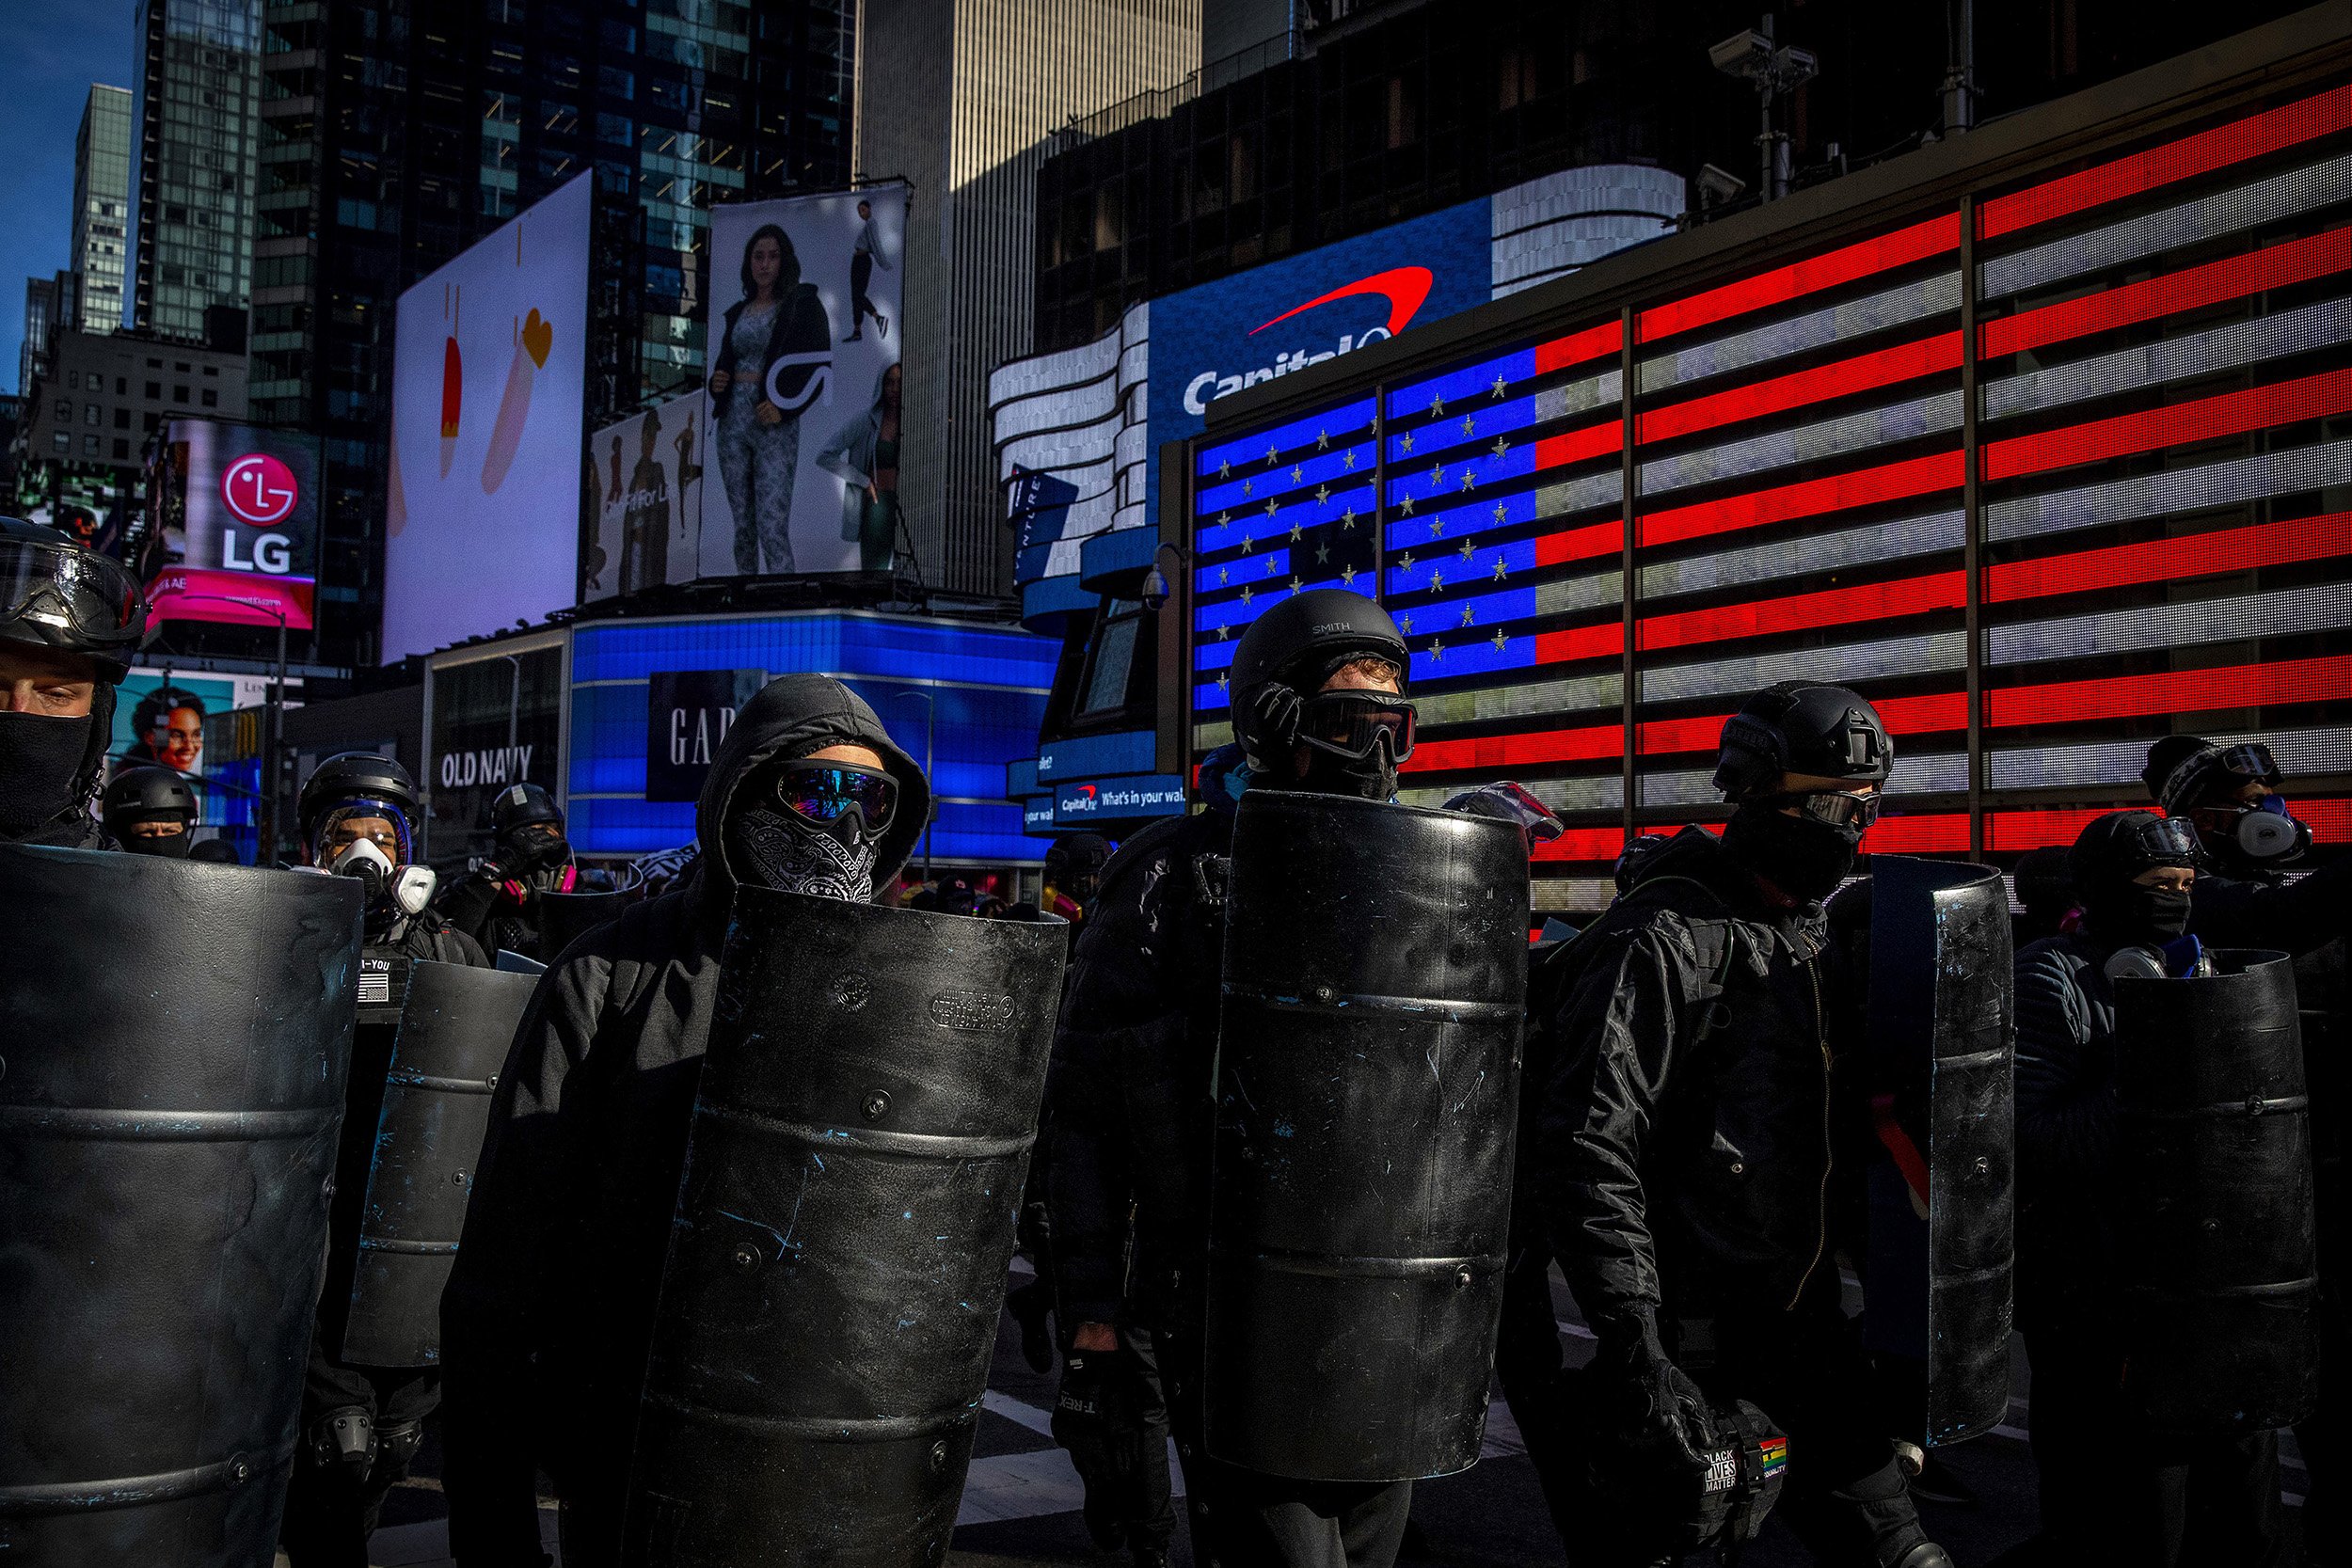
(1021, 1502)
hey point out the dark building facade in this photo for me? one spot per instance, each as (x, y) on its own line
(395, 132)
(1395, 110)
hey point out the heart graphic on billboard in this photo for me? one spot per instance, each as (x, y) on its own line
(259, 490)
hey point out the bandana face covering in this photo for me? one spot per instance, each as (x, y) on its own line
(1804, 858)
(41, 762)
(781, 850)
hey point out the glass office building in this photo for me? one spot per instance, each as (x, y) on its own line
(102, 206)
(196, 87)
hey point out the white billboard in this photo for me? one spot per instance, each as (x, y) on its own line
(645, 479)
(482, 514)
(803, 384)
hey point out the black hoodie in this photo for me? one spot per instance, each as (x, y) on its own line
(549, 1314)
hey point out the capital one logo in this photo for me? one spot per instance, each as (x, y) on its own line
(1403, 288)
(259, 491)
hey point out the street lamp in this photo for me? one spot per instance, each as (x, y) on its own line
(930, 718)
(277, 713)
(1751, 56)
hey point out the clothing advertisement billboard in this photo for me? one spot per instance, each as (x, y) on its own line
(234, 511)
(644, 477)
(491, 721)
(803, 383)
(482, 506)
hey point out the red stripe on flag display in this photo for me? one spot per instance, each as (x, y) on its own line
(2166, 560)
(1516, 750)
(2232, 277)
(1799, 278)
(1577, 347)
(1913, 836)
(1903, 362)
(1558, 647)
(2224, 144)
(1582, 844)
(1930, 714)
(1553, 452)
(2221, 690)
(2310, 397)
(1580, 544)
(1832, 607)
(1914, 476)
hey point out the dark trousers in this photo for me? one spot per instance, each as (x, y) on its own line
(861, 273)
(332, 1503)
(2113, 1489)
(2326, 1446)
(1243, 1519)
(1539, 1388)
(1844, 1498)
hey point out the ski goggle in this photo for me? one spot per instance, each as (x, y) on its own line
(2166, 841)
(1838, 808)
(823, 792)
(380, 822)
(1351, 723)
(83, 598)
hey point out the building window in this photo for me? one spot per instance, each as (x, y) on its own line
(123, 450)
(122, 386)
(92, 414)
(65, 410)
(1114, 655)
(122, 419)
(73, 381)
(149, 420)
(155, 391)
(90, 446)
(61, 441)
(212, 370)
(212, 398)
(180, 394)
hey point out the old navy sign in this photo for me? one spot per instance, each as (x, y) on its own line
(1214, 340)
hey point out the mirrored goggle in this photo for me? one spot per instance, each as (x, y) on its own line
(2250, 761)
(1351, 723)
(78, 591)
(2168, 836)
(1839, 808)
(821, 793)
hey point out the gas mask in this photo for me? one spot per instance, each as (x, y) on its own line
(392, 890)
(2261, 834)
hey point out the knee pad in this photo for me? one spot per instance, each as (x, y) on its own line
(395, 1446)
(342, 1439)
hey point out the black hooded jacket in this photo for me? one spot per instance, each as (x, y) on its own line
(1683, 1104)
(549, 1314)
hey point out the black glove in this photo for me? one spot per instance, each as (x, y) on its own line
(524, 853)
(1099, 1422)
(1659, 1415)
(1278, 711)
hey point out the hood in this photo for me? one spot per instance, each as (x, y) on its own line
(1224, 778)
(790, 717)
(873, 405)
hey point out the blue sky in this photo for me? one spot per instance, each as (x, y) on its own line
(48, 56)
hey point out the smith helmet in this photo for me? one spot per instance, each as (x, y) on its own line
(1297, 646)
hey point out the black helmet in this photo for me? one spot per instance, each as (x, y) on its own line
(352, 776)
(519, 805)
(146, 795)
(1075, 855)
(2119, 846)
(1801, 727)
(57, 594)
(1297, 644)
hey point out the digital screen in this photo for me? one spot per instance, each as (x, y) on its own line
(237, 509)
(482, 510)
(645, 478)
(2161, 468)
(801, 376)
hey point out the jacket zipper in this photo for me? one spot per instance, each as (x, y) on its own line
(1821, 1034)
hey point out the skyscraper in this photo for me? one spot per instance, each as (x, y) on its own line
(40, 319)
(395, 132)
(102, 201)
(959, 96)
(196, 83)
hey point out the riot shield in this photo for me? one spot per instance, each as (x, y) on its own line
(456, 1025)
(837, 1265)
(2216, 1239)
(563, 917)
(173, 1039)
(1367, 1089)
(1943, 1044)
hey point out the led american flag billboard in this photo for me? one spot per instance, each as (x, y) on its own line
(2045, 472)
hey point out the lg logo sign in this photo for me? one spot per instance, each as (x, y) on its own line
(259, 491)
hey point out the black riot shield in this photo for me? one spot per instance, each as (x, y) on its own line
(173, 1038)
(831, 1295)
(565, 916)
(2216, 1239)
(1367, 1087)
(1942, 1045)
(456, 1025)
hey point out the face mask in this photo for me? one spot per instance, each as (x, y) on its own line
(362, 860)
(171, 846)
(781, 850)
(1805, 859)
(2136, 913)
(2269, 834)
(40, 767)
(1373, 778)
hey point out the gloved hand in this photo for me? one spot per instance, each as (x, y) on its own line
(1512, 803)
(1278, 711)
(1098, 1422)
(520, 854)
(1661, 1414)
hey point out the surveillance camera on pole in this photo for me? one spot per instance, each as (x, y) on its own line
(1718, 187)
(1776, 69)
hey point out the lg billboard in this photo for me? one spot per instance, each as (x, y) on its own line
(237, 513)
(481, 512)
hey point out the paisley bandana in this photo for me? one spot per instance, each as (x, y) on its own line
(778, 849)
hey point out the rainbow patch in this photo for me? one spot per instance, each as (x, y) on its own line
(1774, 1452)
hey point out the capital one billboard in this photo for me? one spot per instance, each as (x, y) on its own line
(1212, 341)
(238, 512)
